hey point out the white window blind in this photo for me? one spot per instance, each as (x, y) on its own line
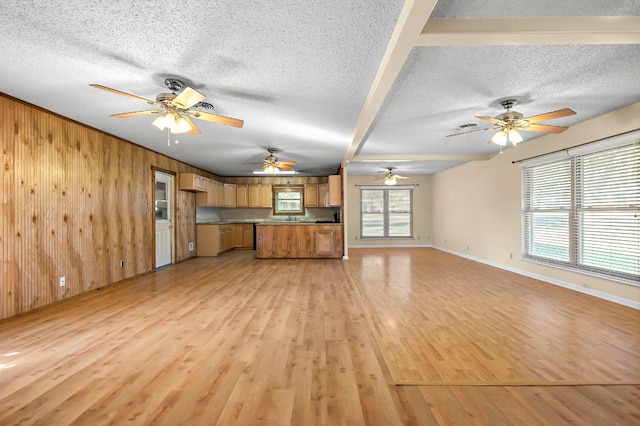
(583, 213)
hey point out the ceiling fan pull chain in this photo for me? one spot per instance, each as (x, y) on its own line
(168, 137)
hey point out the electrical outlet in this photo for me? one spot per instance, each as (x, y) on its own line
(122, 263)
(63, 281)
(191, 246)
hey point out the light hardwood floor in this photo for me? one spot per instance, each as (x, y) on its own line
(232, 340)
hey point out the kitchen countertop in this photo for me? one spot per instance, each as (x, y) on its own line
(279, 222)
(297, 223)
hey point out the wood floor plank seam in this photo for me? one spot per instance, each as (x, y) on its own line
(394, 351)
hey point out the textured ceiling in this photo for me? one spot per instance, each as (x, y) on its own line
(326, 83)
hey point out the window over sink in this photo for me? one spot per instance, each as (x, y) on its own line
(288, 200)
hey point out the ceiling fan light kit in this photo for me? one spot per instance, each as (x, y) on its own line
(389, 177)
(174, 123)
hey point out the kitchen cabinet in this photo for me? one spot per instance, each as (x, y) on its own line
(242, 195)
(243, 235)
(226, 237)
(214, 197)
(218, 189)
(254, 195)
(311, 195)
(325, 242)
(259, 195)
(230, 196)
(207, 240)
(335, 190)
(323, 194)
(193, 182)
(266, 195)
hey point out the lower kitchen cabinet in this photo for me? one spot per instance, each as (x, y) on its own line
(213, 239)
(207, 240)
(243, 235)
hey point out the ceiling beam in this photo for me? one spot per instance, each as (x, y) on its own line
(410, 23)
(411, 158)
(530, 31)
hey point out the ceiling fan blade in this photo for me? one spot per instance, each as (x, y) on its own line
(128, 95)
(188, 98)
(545, 128)
(284, 167)
(287, 162)
(491, 120)
(473, 131)
(220, 119)
(400, 177)
(135, 113)
(550, 115)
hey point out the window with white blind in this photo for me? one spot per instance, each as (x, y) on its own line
(582, 211)
(386, 212)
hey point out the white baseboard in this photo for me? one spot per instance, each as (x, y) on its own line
(391, 246)
(595, 293)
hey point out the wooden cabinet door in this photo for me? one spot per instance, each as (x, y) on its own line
(254, 195)
(311, 195)
(335, 190)
(207, 240)
(230, 197)
(192, 182)
(266, 195)
(242, 195)
(325, 243)
(219, 198)
(238, 235)
(247, 235)
(323, 191)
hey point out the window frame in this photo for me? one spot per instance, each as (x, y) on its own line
(386, 212)
(572, 206)
(288, 189)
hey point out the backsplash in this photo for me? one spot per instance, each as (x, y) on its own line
(210, 214)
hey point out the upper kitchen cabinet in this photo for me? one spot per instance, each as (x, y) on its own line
(242, 195)
(230, 195)
(334, 197)
(311, 195)
(193, 182)
(260, 195)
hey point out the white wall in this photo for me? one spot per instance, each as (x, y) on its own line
(476, 206)
(422, 226)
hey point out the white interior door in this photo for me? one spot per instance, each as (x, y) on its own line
(164, 218)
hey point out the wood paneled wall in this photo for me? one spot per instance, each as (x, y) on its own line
(74, 202)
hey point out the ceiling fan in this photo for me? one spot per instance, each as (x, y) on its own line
(175, 109)
(271, 165)
(389, 177)
(509, 122)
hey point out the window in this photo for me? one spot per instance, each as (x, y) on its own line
(582, 212)
(386, 212)
(288, 200)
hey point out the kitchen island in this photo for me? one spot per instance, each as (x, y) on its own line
(299, 240)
